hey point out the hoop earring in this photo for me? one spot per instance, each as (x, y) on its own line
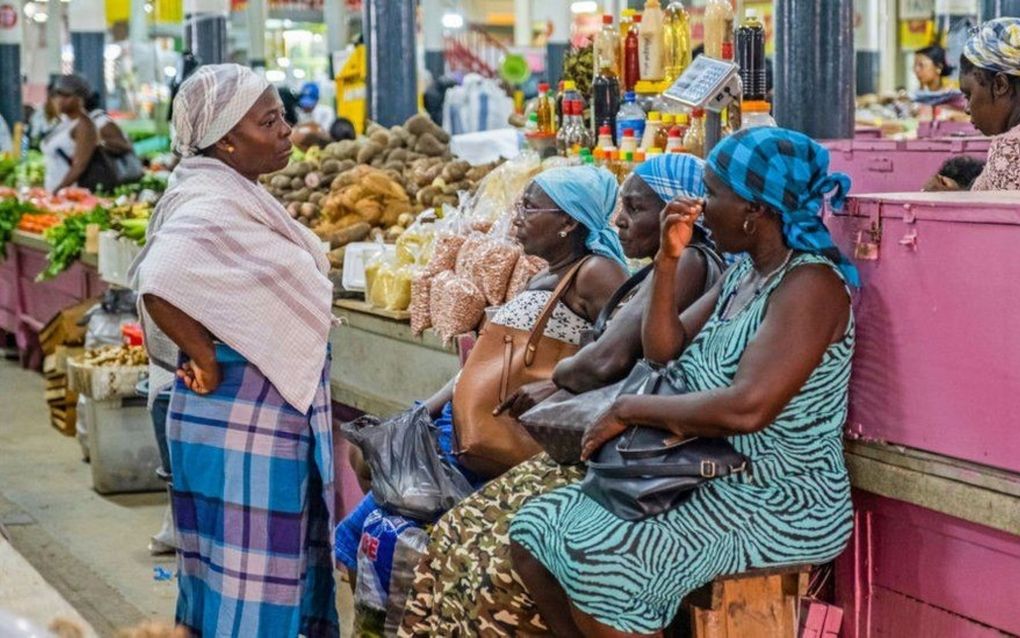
(563, 234)
(751, 230)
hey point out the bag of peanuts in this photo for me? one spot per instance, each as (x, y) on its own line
(458, 307)
(496, 261)
(527, 267)
(421, 314)
(467, 258)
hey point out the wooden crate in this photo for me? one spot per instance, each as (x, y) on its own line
(757, 603)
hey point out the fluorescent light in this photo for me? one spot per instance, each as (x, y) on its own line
(39, 17)
(453, 20)
(298, 74)
(283, 63)
(584, 6)
(275, 76)
(30, 10)
(170, 71)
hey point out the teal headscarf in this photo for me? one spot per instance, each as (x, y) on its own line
(588, 195)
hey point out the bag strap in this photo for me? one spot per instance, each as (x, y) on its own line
(614, 302)
(538, 330)
(707, 469)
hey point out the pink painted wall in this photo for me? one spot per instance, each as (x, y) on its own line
(885, 166)
(937, 365)
(910, 571)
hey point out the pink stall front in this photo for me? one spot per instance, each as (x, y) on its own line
(886, 166)
(933, 445)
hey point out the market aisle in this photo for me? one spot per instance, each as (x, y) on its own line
(91, 548)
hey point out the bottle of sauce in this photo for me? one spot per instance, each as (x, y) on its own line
(605, 138)
(677, 40)
(626, 22)
(675, 141)
(628, 143)
(607, 49)
(662, 135)
(605, 96)
(652, 127)
(650, 44)
(694, 141)
(545, 111)
(750, 56)
(631, 56)
(718, 28)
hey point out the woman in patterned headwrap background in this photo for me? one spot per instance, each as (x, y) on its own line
(236, 305)
(766, 358)
(990, 80)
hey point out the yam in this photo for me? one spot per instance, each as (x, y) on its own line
(280, 182)
(294, 209)
(419, 124)
(297, 169)
(353, 233)
(373, 128)
(309, 210)
(405, 219)
(313, 180)
(476, 173)
(455, 171)
(376, 234)
(344, 150)
(398, 155)
(391, 165)
(330, 166)
(381, 137)
(297, 183)
(317, 198)
(393, 232)
(427, 195)
(369, 210)
(346, 221)
(298, 195)
(336, 257)
(429, 145)
(369, 150)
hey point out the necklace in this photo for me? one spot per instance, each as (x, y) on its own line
(766, 278)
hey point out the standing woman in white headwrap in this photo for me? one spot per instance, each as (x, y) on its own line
(236, 303)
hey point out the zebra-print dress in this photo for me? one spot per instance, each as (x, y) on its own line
(793, 508)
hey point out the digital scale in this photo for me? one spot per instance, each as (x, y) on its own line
(708, 84)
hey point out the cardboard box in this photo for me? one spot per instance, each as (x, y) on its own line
(63, 328)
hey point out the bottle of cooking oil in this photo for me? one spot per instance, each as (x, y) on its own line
(677, 30)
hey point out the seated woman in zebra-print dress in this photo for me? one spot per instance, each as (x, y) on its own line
(766, 357)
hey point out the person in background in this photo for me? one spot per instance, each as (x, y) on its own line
(309, 109)
(235, 300)
(957, 174)
(766, 358)
(342, 129)
(290, 105)
(990, 80)
(111, 137)
(435, 95)
(465, 583)
(932, 70)
(69, 147)
(5, 137)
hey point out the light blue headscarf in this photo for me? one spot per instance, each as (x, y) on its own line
(588, 195)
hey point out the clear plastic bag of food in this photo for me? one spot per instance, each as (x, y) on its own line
(421, 290)
(496, 261)
(415, 244)
(458, 306)
(526, 268)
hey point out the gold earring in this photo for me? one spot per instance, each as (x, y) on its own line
(230, 149)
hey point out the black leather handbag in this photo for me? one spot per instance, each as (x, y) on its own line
(647, 471)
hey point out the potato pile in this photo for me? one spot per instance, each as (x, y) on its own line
(374, 187)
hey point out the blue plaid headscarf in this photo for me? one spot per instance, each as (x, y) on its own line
(587, 194)
(789, 172)
(673, 175)
(996, 46)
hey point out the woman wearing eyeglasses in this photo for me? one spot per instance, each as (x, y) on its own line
(563, 218)
(990, 80)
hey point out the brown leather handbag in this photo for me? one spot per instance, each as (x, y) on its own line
(503, 360)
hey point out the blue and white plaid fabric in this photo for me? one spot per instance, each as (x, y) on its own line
(252, 504)
(789, 172)
(996, 46)
(673, 175)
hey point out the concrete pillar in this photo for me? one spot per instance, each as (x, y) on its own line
(256, 14)
(205, 29)
(432, 34)
(87, 19)
(814, 88)
(991, 9)
(334, 12)
(866, 45)
(523, 23)
(54, 39)
(10, 61)
(138, 27)
(559, 43)
(890, 57)
(392, 87)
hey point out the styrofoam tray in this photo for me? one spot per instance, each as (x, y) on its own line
(355, 258)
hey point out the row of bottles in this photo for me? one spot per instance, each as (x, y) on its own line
(654, 46)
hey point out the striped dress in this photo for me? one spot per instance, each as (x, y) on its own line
(793, 508)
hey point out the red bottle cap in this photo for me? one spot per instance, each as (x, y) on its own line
(727, 50)
(628, 132)
(607, 19)
(543, 87)
(605, 130)
(637, 18)
(674, 132)
(698, 113)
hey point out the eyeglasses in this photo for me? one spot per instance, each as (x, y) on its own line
(520, 210)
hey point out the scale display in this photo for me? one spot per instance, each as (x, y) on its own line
(706, 84)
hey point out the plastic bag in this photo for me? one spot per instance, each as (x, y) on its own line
(527, 267)
(467, 258)
(421, 289)
(104, 320)
(388, 543)
(498, 190)
(496, 262)
(457, 307)
(414, 246)
(409, 476)
(391, 289)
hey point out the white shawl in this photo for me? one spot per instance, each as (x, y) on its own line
(227, 254)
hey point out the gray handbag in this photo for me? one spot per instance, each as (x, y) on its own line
(647, 471)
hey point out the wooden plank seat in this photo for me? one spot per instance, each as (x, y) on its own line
(760, 603)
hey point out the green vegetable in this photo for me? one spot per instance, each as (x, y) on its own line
(133, 229)
(11, 211)
(67, 240)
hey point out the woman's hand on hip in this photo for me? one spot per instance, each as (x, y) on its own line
(608, 426)
(677, 226)
(200, 379)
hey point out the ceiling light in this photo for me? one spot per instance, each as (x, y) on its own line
(453, 20)
(275, 76)
(585, 6)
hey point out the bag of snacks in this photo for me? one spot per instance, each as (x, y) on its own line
(421, 315)
(527, 267)
(458, 306)
(496, 262)
(469, 254)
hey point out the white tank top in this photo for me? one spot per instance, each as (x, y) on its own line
(58, 140)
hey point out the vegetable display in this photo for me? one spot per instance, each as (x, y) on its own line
(67, 240)
(11, 213)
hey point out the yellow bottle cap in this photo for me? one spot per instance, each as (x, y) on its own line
(654, 116)
(569, 85)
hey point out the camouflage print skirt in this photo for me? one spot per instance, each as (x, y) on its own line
(465, 584)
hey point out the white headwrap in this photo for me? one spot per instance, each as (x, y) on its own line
(210, 103)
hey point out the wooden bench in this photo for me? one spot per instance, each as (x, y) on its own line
(761, 603)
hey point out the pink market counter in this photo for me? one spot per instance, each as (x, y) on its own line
(933, 448)
(885, 166)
